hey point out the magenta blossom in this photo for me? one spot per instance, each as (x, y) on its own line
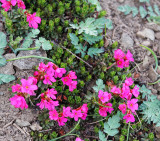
(72, 86)
(62, 120)
(66, 80)
(53, 115)
(59, 72)
(51, 93)
(28, 86)
(135, 91)
(72, 75)
(67, 112)
(120, 63)
(129, 81)
(19, 102)
(6, 5)
(104, 96)
(118, 54)
(116, 90)
(129, 56)
(129, 118)
(48, 79)
(122, 107)
(132, 104)
(33, 20)
(21, 4)
(79, 139)
(76, 114)
(16, 88)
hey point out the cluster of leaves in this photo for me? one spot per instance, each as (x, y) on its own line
(153, 13)
(150, 108)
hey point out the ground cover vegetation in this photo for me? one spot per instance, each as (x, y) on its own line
(73, 33)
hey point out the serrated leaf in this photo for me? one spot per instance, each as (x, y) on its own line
(134, 11)
(121, 9)
(99, 85)
(46, 45)
(92, 39)
(94, 51)
(144, 1)
(102, 136)
(109, 24)
(1, 51)
(27, 43)
(143, 12)
(38, 43)
(3, 41)
(81, 49)
(35, 32)
(145, 92)
(150, 12)
(128, 9)
(74, 39)
(74, 26)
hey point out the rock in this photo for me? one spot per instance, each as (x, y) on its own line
(146, 43)
(29, 63)
(126, 41)
(36, 127)
(120, 1)
(152, 74)
(8, 68)
(1, 93)
(158, 70)
(22, 123)
(146, 62)
(157, 35)
(146, 33)
(157, 131)
(153, 26)
(157, 86)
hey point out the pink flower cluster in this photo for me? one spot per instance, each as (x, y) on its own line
(126, 93)
(63, 116)
(48, 73)
(122, 59)
(31, 18)
(79, 139)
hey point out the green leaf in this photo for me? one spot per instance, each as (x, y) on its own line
(100, 85)
(121, 8)
(27, 43)
(156, 9)
(35, 33)
(94, 51)
(3, 41)
(81, 49)
(2, 61)
(109, 24)
(96, 2)
(46, 45)
(92, 39)
(102, 136)
(144, 1)
(128, 9)
(134, 11)
(150, 11)
(143, 12)
(4, 78)
(74, 39)
(145, 92)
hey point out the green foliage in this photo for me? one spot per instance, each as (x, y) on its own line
(3, 43)
(96, 2)
(91, 26)
(92, 39)
(94, 51)
(144, 1)
(150, 108)
(102, 136)
(111, 127)
(99, 85)
(109, 24)
(4, 78)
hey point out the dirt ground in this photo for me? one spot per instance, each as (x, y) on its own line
(125, 32)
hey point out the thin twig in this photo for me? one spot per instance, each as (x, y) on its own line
(31, 101)
(9, 123)
(19, 128)
(96, 121)
(46, 130)
(74, 55)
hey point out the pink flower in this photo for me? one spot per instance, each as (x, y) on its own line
(72, 75)
(6, 4)
(34, 80)
(120, 63)
(52, 104)
(21, 4)
(126, 63)
(16, 88)
(42, 67)
(118, 54)
(104, 96)
(59, 72)
(79, 139)
(135, 91)
(28, 87)
(84, 108)
(62, 120)
(13, 2)
(53, 115)
(67, 112)
(129, 118)
(122, 107)
(129, 56)
(103, 110)
(110, 109)
(126, 93)
(116, 90)
(48, 79)
(51, 93)
(76, 114)
(19, 102)
(72, 86)
(132, 104)
(66, 80)
(129, 81)
(33, 20)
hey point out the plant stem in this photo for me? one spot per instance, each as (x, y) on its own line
(69, 133)
(101, 104)
(32, 56)
(25, 49)
(128, 131)
(111, 65)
